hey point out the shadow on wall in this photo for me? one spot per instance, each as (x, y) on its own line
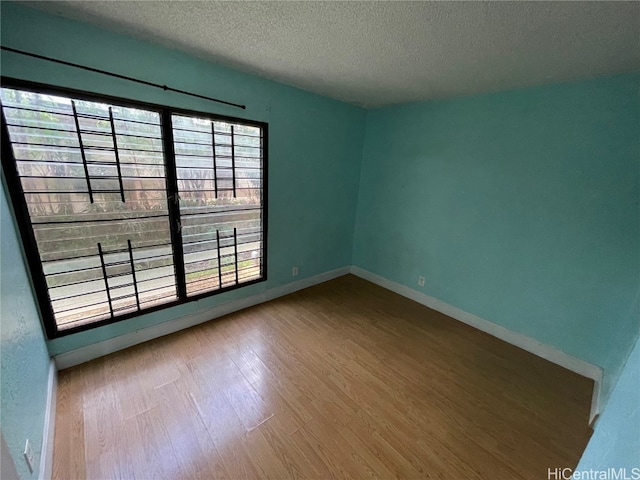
(616, 440)
(7, 467)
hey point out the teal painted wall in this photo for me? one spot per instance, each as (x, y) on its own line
(24, 359)
(616, 440)
(315, 144)
(521, 207)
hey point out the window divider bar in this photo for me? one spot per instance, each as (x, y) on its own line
(235, 252)
(82, 153)
(173, 202)
(215, 166)
(133, 273)
(233, 161)
(219, 258)
(106, 279)
(115, 149)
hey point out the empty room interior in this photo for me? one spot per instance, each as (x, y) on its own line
(278, 240)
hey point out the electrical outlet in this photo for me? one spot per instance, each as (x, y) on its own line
(294, 271)
(421, 281)
(28, 455)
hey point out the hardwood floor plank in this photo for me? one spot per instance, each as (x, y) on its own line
(221, 421)
(192, 445)
(298, 456)
(69, 438)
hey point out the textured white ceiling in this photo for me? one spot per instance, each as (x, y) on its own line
(379, 53)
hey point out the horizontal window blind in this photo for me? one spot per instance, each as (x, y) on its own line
(120, 227)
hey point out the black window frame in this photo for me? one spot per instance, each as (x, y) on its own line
(20, 209)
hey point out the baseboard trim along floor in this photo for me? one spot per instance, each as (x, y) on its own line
(46, 455)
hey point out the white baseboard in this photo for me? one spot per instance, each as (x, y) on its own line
(96, 350)
(46, 454)
(547, 352)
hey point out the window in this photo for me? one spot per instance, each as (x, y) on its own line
(126, 208)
